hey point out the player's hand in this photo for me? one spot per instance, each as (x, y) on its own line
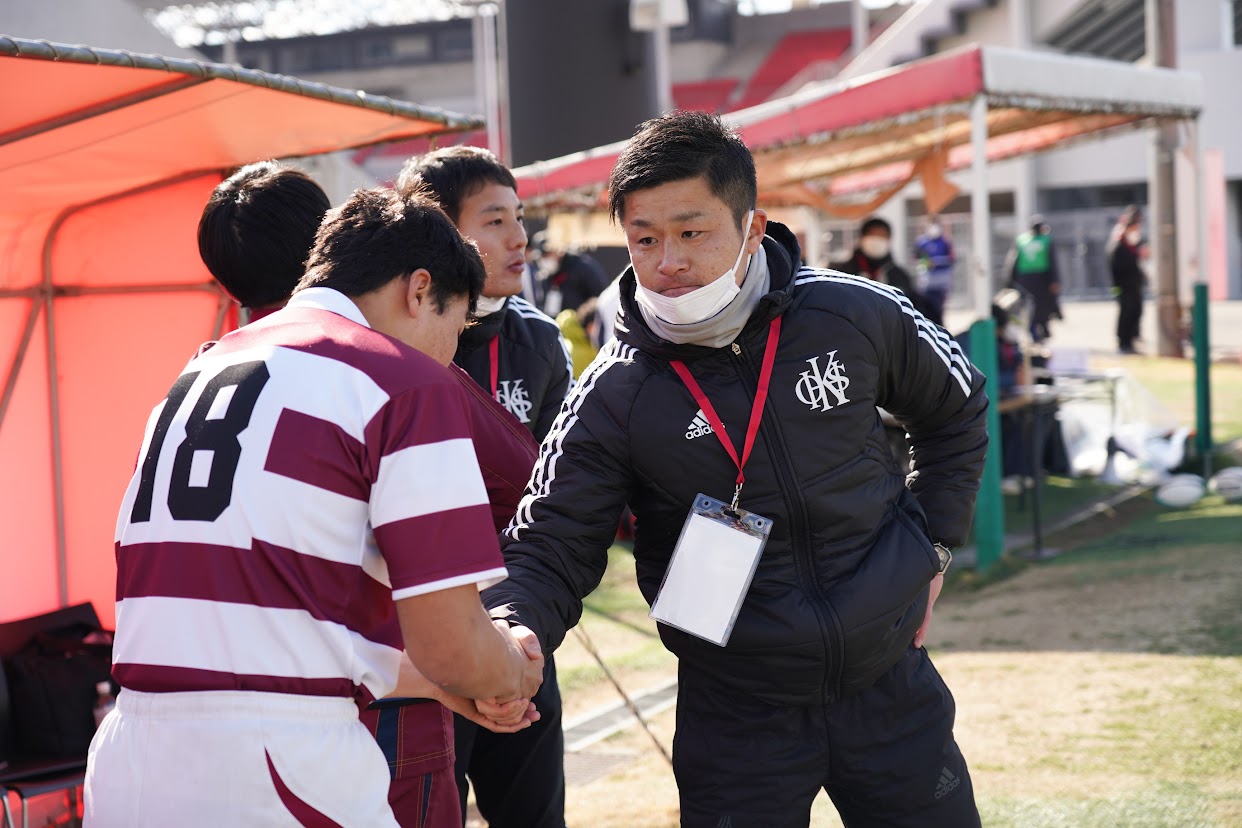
(509, 717)
(920, 635)
(506, 717)
(528, 645)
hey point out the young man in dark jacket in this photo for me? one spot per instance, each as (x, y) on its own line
(517, 355)
(514, 350)
(821, 680)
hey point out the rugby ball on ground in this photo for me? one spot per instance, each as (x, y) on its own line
(1227, 483)
(1180, 491)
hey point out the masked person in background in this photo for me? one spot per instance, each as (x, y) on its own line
(873, 258)
(935, 257)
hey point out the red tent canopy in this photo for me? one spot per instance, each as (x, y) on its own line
(106, 160)
(837, 138)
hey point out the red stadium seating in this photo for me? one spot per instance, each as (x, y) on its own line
(791, 54)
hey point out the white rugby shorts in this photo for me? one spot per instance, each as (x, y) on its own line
(235, 758)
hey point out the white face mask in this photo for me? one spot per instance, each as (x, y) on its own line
(873, 247)
(487, 305)
(701, 303)
(933, 231)
(1134, 237)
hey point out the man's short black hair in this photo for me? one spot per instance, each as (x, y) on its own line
(682, 145)
(453, 174)
(377, 236)
(257, 229)
(875, 223)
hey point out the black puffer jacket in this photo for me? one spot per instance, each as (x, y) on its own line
(842, 584)
(534, 368)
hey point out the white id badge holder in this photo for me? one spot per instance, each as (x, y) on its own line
(711, 569)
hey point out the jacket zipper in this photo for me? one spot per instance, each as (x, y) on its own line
(830, 627)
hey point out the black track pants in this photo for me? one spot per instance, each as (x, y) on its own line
(518, 778)
(886, 756)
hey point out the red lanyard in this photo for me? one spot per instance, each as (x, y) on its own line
(756, 411)
(493, 348)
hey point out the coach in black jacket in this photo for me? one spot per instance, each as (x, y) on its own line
(823, 683)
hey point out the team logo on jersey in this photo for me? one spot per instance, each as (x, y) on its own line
(512, 395)
(823, 389)
(698, 426)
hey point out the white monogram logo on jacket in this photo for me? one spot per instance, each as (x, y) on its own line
(512, 395)
(815, 385)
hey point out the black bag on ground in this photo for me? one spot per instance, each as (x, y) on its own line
(52, 683)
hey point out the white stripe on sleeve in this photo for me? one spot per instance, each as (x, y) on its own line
(425, 479)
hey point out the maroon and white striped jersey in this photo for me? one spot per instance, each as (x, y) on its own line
(301, 475)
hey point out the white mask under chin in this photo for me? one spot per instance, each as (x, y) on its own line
(487, 305)
(873, 247)
(701, 303)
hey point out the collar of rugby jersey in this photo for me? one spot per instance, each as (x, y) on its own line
(258, 313)
(334, 301)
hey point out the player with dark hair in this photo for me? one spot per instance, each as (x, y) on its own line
(791, 562)
(307, 507)
(517, 354)
(256, 230)
(416, 736)
(514, 351)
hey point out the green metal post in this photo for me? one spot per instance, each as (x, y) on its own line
(989, 507)
(1203, 383)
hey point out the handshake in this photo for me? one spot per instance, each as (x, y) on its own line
(520, 671)
(510, 715)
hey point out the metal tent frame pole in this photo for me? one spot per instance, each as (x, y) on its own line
(15, 367)
(49, 294)
(989, 507)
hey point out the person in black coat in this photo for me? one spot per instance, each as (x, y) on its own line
(873, 258)
(804, 670)
(1128, 277)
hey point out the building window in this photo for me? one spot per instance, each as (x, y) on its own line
(1237, 22)
(376, 52)
(295, 59)
(332, 53)
(455, 44)
(412, 47)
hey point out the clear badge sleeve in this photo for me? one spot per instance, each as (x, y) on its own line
(711, 569)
